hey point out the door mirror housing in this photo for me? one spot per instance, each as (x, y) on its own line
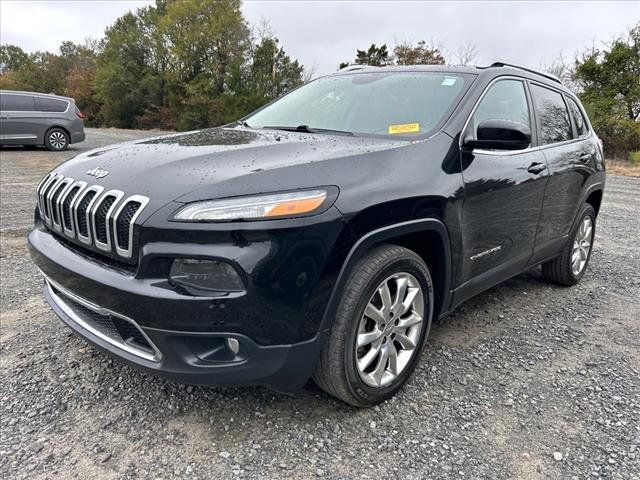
(496, 134)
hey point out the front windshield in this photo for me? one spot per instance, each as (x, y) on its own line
(378, 103)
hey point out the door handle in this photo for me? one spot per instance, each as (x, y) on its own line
(585, 157)
(536, 168)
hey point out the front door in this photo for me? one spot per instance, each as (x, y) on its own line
(504, 192)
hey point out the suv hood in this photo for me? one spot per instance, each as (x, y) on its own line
(216, 162)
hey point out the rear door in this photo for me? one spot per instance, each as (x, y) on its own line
(569, 153)
(504, 190)
(16, 118)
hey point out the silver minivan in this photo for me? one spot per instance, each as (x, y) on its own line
(29, 118)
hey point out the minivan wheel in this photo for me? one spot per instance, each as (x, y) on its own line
(56, 139)
(379, 331)
(569, 267)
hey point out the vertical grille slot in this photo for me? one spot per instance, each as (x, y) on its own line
(82, 213)
(46, 190)
(124, 223)
(101, 217)
(125, 218)
(55, 196)
(67, 217)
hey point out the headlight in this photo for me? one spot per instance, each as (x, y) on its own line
(254, 207)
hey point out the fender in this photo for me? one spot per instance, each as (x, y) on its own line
(364, 244)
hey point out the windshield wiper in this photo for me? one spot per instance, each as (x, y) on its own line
(242, 123)
(307, 129)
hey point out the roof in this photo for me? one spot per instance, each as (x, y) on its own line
(51, 95)
(474, 70)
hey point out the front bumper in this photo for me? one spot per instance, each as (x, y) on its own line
(185, 337)
(190, 357)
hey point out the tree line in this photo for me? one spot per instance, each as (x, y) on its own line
(175, 65)
(194, 63)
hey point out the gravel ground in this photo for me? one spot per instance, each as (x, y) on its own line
(526, 380)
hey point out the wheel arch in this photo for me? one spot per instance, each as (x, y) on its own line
(428, 237)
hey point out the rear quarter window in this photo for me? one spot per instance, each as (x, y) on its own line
(553, 116)
(51, 105)
(16, 103)
(578, 118)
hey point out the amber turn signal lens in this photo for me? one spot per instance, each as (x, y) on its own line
(296, 207)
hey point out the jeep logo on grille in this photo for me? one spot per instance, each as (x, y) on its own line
(97, 172)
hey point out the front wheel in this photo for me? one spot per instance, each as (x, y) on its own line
(56, 139)
(381, 324)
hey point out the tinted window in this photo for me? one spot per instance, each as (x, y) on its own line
(553, 116)
(385, 103)
(50, 104)
(16, 103)
(505, 100)
(578, 118)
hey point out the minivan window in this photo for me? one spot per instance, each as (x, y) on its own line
(505, 100)
(385, 103)
(44, 104)
(553, 115)
(16, 103)
(578, 118)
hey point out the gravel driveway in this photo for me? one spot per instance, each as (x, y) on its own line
(527, 380)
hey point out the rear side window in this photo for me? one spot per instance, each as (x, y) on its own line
(50, 104)
(16, 103)
(578, 118)
(505, 100)
(553, 116)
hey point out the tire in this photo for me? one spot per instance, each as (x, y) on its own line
(562, 270)
(56, 139)
(340, 370)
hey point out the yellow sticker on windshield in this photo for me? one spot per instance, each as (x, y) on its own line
(404, 128)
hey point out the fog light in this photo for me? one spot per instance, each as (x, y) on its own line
(233, 345)
(205, 275)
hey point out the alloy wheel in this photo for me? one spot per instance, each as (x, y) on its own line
(582, 245)
(57, 140)
(389, 330)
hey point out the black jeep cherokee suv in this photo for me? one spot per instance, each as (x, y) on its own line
(321, 235)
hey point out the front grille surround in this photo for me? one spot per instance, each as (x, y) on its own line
(73, 209)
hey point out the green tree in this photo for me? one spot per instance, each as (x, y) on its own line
(374, 56)
(123, 79)
(12, 58)
(421, 54)
(610, 90)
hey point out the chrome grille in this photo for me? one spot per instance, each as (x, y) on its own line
(89, 214)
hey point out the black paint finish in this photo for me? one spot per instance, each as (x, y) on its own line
(478, 217)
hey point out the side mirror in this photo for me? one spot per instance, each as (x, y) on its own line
(495, 134)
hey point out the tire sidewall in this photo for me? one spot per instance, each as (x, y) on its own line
(48, 143)
(361, 390)
(587, 210)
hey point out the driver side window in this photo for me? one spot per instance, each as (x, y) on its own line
(505, 100)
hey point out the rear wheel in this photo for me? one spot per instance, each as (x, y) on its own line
(379, 331)
(56, 139)
(569, 267)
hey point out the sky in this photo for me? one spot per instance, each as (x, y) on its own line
(321, 34)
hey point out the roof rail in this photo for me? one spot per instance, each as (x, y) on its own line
(526, 69)
(349, 68)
